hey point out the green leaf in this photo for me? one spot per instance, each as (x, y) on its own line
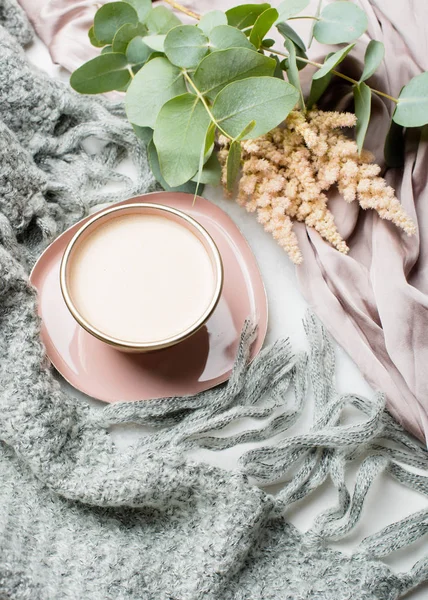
(268, 43)
(233, 164)
(107, 49)
(110, 17)
(262, 26)
(248, 129)
(125, 34)
(288, 33)
(180, 133)
(225, 36)
(314, 22)
(156, 83)
(290, 8)
(188, 187)
(332, 62)
(340, 22)
(186, 46)
(265, 100)
(144, 134)
(375, 52)
(197, 179)
(318, 87)
(220, 68)
(211, 172)
(394, 146)
(412, 106)
(142, 7)
(293, 71)
(210, 138)
(161, 20)
(103, 73)
(212, 19)
(245, 15)
(155, 42)
(363, 101)
(278, 69)
(93, 39)
(137, 51)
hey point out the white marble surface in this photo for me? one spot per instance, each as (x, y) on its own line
(387, 501)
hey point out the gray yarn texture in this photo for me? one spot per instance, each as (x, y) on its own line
(81, 519)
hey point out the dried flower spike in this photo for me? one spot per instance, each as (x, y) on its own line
(286, 173)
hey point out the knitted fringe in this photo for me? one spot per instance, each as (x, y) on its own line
(301, 463)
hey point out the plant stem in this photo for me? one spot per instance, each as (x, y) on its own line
(183, 9)
(131, 72)
(204, 102)
(303, 17)
(319, 65)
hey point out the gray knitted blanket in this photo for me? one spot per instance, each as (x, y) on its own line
(81, 520)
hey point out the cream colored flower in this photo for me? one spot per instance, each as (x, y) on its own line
(286, 172)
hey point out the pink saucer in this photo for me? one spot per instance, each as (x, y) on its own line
(199, 363)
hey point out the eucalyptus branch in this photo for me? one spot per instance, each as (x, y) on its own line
(303, 17)
(183, 9)
(204, 102)
(338, 73)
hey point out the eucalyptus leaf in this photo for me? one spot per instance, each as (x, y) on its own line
(155, 42)
(268, 43)
(110, 17)
(135, 68)
(233, 164)
(220, 68)
(212, 19)
(210, 139)
(293, 71)
(125, 34)
(211, 172)
(265, 100)
(288, 32)
(340, 22)
(314, 22)
(319, 86)
(394, 146)
(278, 68)
(245, 15)
(107, 49)
(375, 52)
(137, 51)
(103, 73)
(93, 39)
(412, 106)
(248, 129)
(197, 179)
(225, 36)
(301, 64)
(142, 7)
(179, 135)
(262, 25)
(189, 187)
(144, 134)
(161, 20)
(186, 46)
(290, 8)
(332, 61)
(362, 101)
(156, 83)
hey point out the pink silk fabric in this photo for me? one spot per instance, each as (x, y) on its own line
(375, 300)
